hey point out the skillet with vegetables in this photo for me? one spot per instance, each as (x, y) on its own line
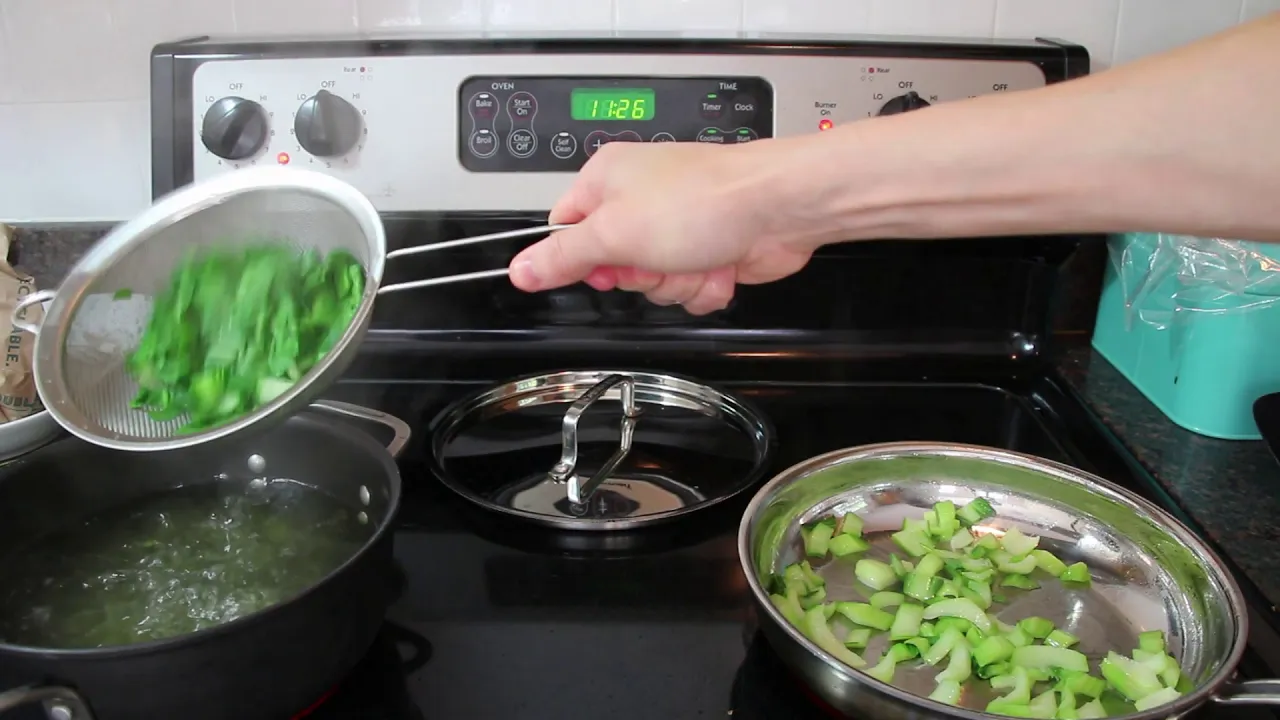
(936, 603)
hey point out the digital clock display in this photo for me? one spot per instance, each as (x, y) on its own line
(611, 104)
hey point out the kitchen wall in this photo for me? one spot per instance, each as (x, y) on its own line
(74, 73)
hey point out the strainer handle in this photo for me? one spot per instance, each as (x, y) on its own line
(465, 277)
(58, 701)
(18, 316)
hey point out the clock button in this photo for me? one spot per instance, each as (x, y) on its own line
(628, 136)
(663, 137)
(744, 107)
(564, 145)
(711, 135)
(712, 106)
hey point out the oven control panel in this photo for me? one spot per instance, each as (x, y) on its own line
(507, 131)
(553, 124)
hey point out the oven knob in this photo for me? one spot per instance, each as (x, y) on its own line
(327, 125)
(234, 128)
(903, 103)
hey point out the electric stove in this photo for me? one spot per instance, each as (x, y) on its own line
(498, 618)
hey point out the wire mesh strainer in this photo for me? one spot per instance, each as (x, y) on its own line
(87, 332)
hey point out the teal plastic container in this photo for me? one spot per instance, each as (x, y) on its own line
(1204, 358)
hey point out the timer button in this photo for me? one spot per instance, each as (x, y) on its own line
(522, 106)
(663, 137)
(483, 143)
(521, 142)
(482, 106)
(564, 145)
(595, 140)
(711, 135)
(712, 106)
(744, 107)
(628, 136)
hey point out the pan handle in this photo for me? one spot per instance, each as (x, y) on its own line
(1249, 692)
(19, 315)
(342, 409)
(60, 703)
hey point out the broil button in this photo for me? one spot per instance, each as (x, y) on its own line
(483, 143)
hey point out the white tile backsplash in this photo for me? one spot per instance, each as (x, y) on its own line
(74, 73)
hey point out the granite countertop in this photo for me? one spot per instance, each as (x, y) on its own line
(1231, 488)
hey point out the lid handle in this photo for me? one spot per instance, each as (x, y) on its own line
(564, 470)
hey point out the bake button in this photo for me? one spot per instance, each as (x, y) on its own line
(482, 106)
(744, 107)
(595, 140)
(483, 143)
(522, 106)
(711, 135)
(564, 145)
(712, 106)
(742, 135)
(628, 136)
(521, 143)
(663, 137)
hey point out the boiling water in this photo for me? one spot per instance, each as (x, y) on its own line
(180, 561)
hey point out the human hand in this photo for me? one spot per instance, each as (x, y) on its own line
(680, 222)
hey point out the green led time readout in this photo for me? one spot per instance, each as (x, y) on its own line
(611, 104)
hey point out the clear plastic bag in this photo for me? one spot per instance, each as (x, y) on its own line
(1167, 278)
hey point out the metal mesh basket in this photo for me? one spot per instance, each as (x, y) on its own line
(88, 331)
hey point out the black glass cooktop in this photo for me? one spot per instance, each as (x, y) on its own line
(500, 620)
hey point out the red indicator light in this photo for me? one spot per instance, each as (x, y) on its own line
(825, 124)
(283, 158)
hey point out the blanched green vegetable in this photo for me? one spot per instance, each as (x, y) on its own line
(238, 327)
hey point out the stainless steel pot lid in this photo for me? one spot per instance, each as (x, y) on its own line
(600, 449)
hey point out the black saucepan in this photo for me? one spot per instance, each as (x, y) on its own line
(271, 664)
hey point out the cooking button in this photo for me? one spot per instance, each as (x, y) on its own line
(712, 106)
(742, 135)
(483, 143)
(711, 135)
(482, 106)
(522, 143)
(563, 145)
(522, 106)
(595, 140)
(628, 136)
(663, 137)
(744, 107)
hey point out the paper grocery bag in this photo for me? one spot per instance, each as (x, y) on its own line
(18, 396)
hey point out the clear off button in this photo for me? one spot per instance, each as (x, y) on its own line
(483, 143)
(564, 145)
(521, 142)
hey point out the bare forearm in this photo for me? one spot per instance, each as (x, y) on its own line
(1185, 142)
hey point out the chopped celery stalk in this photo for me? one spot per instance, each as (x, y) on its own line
(920, 644)
(814, 598)
(1157, 698)
(962, 539)
(992, 650)
(894, 654)
(865, 615)
(1161, 664)
(960, 608)
(1019, 582)
(850, 524)
(948, 589)
(1017, 544)
(959, 667)
(979, 593)
(857, 638)
(1151, 641)
(886, 599)
(793, 577)
(789, 606)
(898, 568)
(816, 629)
(986, 672)
(1061, 639)
(943, 522)
(1081, 684)
(921, 587)
(1044, 705)
(997, 597)
(974, 636)
(1018, 710)
(844, 544)
(906, 622)
(1091, 710)
(942, 648)
(947, 691)
(976, 511)
(817, 539)
(912, 542)
(1048, 562)
(1020, 692)
(875, 574)
(953, 622)
(1019, 637)
(927, 629)
(1046, 657)
(916, 526)
(1129, 677)
(1076, 573)
(829, 609)
(1036, 627)
(1066, 706)
(1006, 563)
(811, 576)
(988, 542)
(929, 565)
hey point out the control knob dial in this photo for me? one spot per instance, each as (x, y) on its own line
(327, 126)
(234, 128)
(903, 103)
